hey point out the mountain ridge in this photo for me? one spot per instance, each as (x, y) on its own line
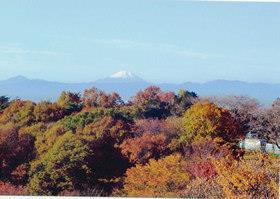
(127, 84)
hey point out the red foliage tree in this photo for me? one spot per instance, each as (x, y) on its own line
(201, 154)
(15, 150)
(97, 98)
(141, 149)
(153, 103)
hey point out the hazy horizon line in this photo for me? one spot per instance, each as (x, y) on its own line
(152, 81)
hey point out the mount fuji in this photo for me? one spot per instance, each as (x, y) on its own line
(123, 82)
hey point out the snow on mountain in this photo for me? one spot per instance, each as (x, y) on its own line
(121, 77)
(123, 74)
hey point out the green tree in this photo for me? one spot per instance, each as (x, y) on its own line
(62, 168)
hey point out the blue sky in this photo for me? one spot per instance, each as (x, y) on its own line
(159, 40)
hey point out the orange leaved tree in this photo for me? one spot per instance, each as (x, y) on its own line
(163, 178)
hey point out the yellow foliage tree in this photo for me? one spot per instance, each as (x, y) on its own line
(205, 119)
(163, 178)
(254, 176)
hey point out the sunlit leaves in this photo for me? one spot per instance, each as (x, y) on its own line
(163, 178)
(157, 145)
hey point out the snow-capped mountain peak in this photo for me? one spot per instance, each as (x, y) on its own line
(123, 75)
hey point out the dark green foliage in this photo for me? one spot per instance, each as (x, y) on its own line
(82, 119)
(4, 102)
(71, 102)
(184, 100)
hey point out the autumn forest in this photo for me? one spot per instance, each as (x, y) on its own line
(157, 144)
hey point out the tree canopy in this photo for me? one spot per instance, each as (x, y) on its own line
(159, 144)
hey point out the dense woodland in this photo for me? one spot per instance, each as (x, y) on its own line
(160, 144)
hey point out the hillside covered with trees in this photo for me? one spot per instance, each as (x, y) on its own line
(158, 144)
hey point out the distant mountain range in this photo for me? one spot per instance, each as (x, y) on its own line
(127, 84)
